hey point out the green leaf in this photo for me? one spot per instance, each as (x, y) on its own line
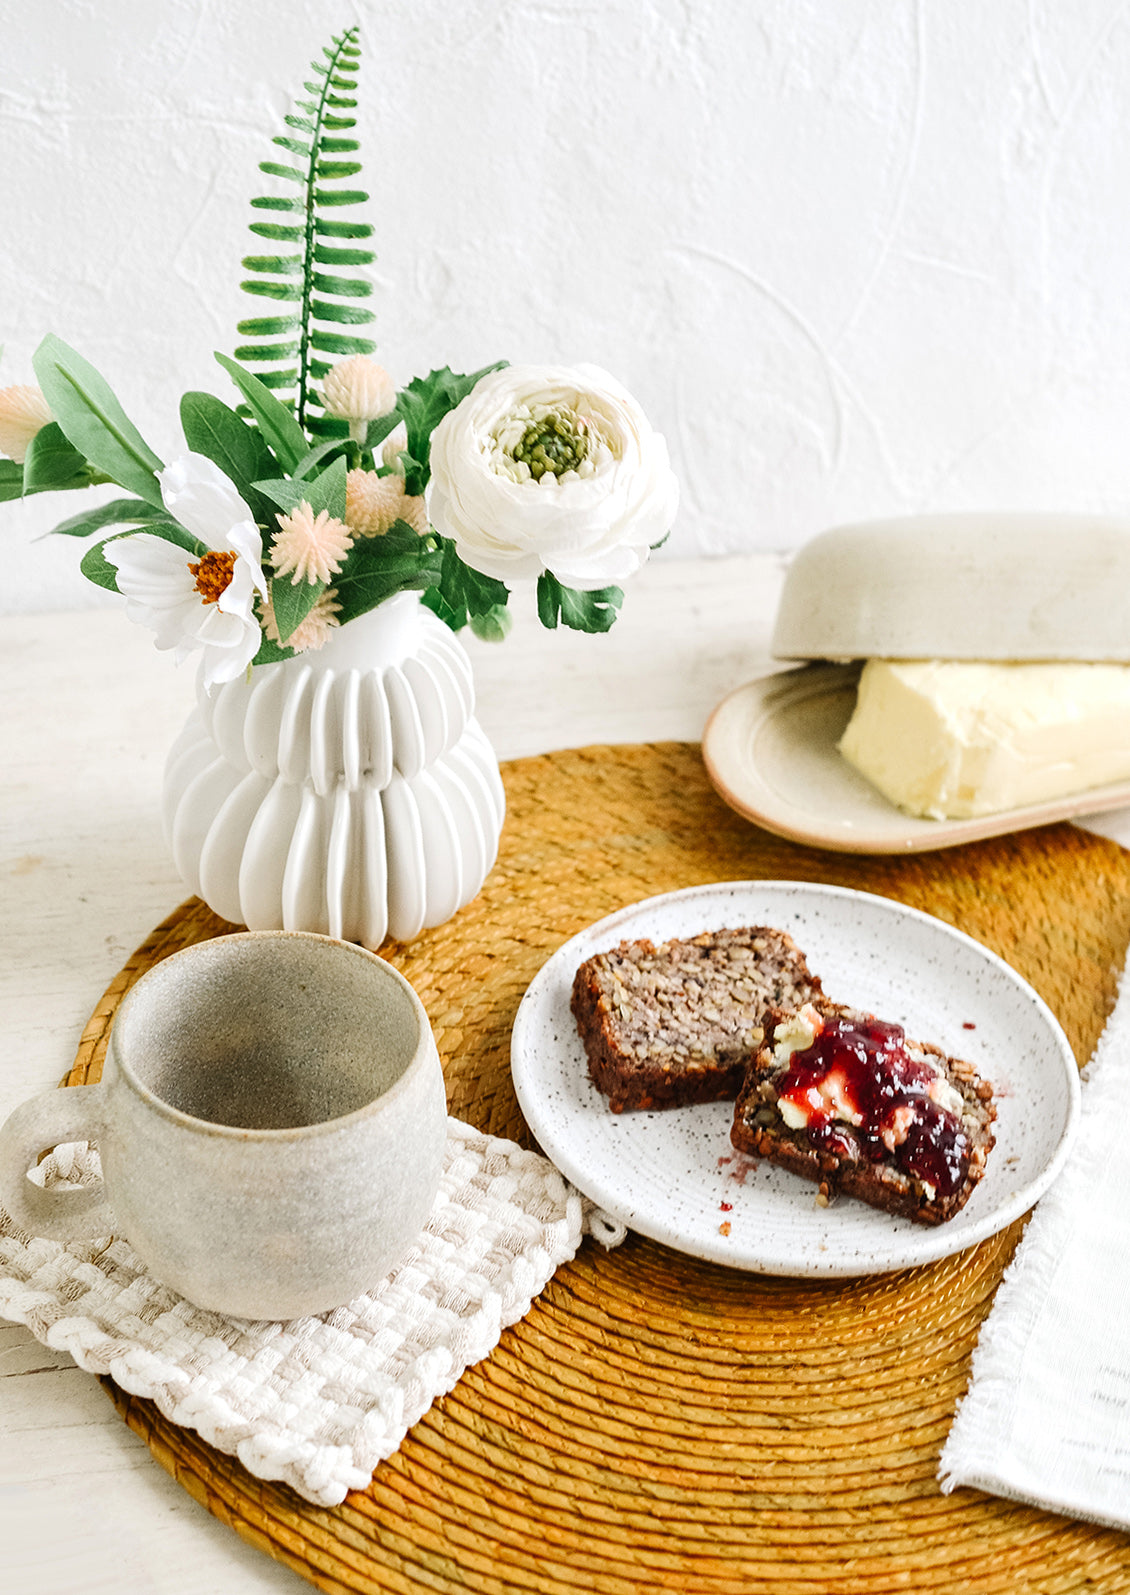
(281, 265)
(277, 379)
(277, 202)
(282, 432)
(211, 428)
(422, 406)
(86, 409)
(96, 568)
(340, 343)
(325, 492)
(267, 351)
(283, 492)
(347, 287)
(347, 315)
(325, 256)
(53, 463)
(340, 196)
(462, 594)
(580, 611)
(271, 653)
(276, 169)
(414, 472)
(11, 480)
(292, 602)
(318, 454)
(272, 290)
(282, 232)
(326, 426)
(268, 326)
(377, 567)
(379, 430)
(336, 229)
(121, 512)
(494, 626)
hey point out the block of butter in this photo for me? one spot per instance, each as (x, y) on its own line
(954, 739)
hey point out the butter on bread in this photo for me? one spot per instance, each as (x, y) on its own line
(850, 1102)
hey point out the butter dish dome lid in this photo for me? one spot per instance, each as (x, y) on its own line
(960, 586)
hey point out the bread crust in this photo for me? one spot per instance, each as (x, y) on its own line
(672, 1025)
(761, 1132)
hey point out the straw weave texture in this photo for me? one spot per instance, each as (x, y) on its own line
(657, 1423)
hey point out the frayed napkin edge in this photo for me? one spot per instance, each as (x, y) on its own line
(973, 1455)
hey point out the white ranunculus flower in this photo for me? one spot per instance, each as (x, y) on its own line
(551, 468)
(206, 603)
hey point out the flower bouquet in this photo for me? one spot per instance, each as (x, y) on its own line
(323, 492)
(320, 542)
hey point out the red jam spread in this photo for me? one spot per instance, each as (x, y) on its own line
(860, 1071)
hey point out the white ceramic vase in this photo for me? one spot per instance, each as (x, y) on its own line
(348, 791)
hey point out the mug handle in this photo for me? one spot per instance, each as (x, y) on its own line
(76, 1113)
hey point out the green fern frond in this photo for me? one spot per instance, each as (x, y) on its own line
(317, 282)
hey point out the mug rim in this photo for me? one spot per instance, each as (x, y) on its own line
(424, 1049)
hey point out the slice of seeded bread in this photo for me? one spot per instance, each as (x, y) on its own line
(671, 1025)
(841, 1158)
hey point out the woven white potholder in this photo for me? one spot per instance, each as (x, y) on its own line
(315, 1402)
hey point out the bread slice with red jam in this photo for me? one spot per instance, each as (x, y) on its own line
(847, 1100)
(667, 1026)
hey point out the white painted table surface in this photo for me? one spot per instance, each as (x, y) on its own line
(89, 709)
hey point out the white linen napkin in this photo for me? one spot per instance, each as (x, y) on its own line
(316, 1402)
(1047, 1415)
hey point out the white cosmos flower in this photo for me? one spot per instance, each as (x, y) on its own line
(551, 468)
(191, 602)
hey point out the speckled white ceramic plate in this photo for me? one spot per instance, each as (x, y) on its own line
(674, 1175)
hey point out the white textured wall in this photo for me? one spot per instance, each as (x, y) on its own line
(854, 258)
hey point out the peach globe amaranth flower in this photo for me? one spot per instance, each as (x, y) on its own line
(373, 503)
(311, 546)
(358, 390)
(23, 412)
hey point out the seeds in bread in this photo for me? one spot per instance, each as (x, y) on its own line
(847, 1101)
(671, 1025)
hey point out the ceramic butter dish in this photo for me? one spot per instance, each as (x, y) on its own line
(970, 586)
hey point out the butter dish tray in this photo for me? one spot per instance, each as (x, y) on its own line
(770, 751)
(674, 1175)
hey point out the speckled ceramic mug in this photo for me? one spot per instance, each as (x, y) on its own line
(271, 1121)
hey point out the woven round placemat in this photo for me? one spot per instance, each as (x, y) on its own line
(658, 1423)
